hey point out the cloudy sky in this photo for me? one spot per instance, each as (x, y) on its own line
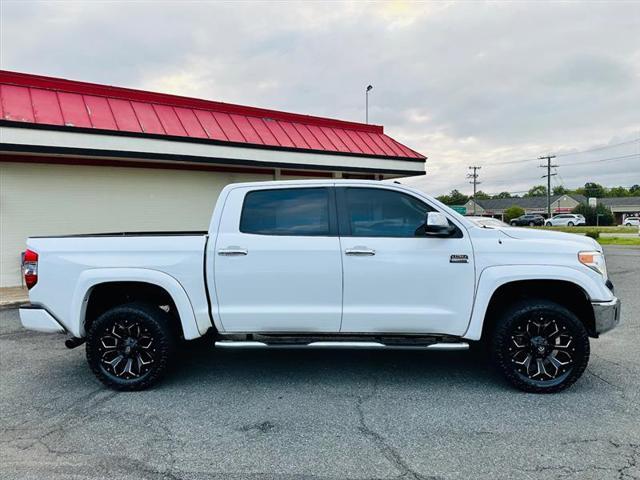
(465, 83)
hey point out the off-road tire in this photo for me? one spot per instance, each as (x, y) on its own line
(154, 322)
(505, 353)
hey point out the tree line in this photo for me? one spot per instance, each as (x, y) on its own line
(590, 189)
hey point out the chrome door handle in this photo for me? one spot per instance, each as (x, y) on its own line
(232, 251)
(360, 251)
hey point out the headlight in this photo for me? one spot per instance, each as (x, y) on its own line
(595, 261)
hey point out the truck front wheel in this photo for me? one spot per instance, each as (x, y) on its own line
(540, 346)
(130, 346)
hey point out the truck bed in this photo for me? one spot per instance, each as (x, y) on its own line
(82, 261)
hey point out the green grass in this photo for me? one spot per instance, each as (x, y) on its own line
(619, 241)
(617, 229)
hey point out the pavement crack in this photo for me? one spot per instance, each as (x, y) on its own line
(603, 379)
(389, 452)
(632, 462)
(619, 365)
(629, 451)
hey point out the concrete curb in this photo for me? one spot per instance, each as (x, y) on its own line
(13, 304)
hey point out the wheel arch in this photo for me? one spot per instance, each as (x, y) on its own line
(110, 287)
(565, 293)
(500, 286)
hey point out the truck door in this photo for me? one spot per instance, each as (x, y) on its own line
(277, 261)
(395, 281)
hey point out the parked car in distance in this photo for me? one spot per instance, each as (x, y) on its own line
(565, 220)
(488, 222)
(324, 264)
(631, 221)
(529, 219)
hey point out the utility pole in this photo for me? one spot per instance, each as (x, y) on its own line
(474, 180)
(548, 176)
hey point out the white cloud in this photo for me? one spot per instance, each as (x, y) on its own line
(464, 83)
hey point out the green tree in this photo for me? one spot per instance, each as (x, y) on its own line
(560, 190)
(502, 195)
(594, 190)
(513, 212)
(617, 192)
(591, 214)
(480, 195)
(537, 191)
(454, 198)
(634, 190)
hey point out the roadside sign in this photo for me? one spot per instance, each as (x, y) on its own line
(461, 209)
(593, 202)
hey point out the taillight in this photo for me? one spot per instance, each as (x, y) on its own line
(30, 268)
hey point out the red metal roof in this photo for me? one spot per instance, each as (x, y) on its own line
(71, 104)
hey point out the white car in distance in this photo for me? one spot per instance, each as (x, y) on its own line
(631, 221)
(565, 220)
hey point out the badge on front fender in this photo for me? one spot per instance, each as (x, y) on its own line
(459, 259)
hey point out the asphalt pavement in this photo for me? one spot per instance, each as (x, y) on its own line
(322, 414)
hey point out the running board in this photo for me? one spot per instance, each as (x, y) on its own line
(444, 346)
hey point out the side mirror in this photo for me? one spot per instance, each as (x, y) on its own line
(437, 224)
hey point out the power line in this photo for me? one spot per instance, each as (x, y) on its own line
(548, 176)
(474, 180)
(516, 161)
(622, 157)
(596, 149)
(525, 160)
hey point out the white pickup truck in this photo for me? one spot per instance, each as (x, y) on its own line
(333, 263)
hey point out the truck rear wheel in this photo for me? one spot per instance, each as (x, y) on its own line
(540, 346)
(129, 347)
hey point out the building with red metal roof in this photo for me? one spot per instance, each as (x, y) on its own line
(82, 157)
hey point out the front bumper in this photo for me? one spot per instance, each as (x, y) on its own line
(38, 319)
(606, 315)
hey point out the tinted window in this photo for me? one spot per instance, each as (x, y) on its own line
(374, 212)
(291, 211)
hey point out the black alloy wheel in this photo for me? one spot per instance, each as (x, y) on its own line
(570, 224)
(127, 350)
(540, 346)
(130, 346)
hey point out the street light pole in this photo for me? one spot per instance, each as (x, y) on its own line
(366, 102)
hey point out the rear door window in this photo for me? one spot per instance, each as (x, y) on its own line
(287, 211)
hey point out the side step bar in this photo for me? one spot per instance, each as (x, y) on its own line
(448, 346)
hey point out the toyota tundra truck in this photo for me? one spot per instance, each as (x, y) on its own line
(325, 264)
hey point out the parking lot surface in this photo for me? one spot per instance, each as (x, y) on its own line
(321, 414)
